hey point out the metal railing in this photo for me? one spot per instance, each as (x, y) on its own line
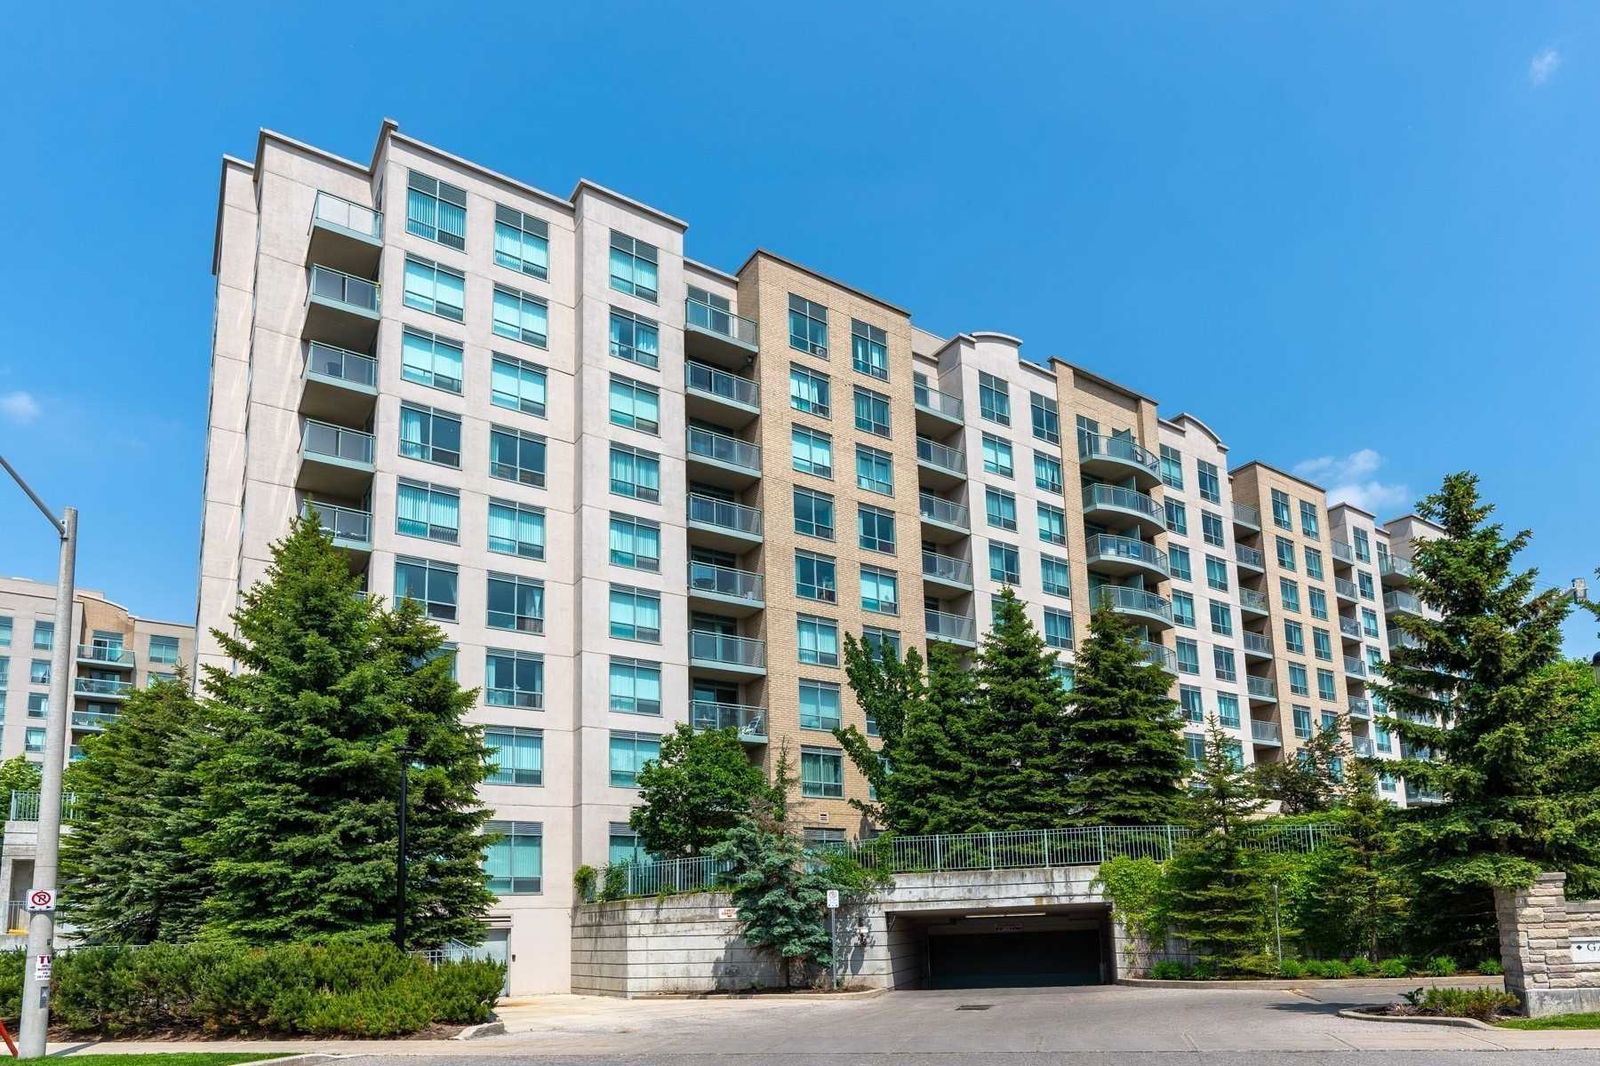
(1249, 556)
(1344, 587)
(25, 806)
(1101, 495)
(697, 377)
(1252, 600)
(324, 438)
(1343, 551)
(710, 511)
(1395, 565)
(1126, 598)
(933, 401)
(328, 361)
(1258, 643)
(948, 512)
(1360, 708)
(1399, 639)
(111, 654)
(941, 456)
(1245, 514)
(1110, 546)
(942, 625)
(748, 719)
(1266, 732)
(946, 568)
(1160, 655)
(1263, 687)
(1101, 446)
(339, 287)
(1395, 600)
(341, 523)
(337, 211)
(722, 648)
(725, 581)
(1362, 746)
(97, 686)
(1354, 666)
(1350, 627)
(95, 720)
(724, 324)
(724, 449)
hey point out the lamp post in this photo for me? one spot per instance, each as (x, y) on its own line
(404, 754)
(42, 923)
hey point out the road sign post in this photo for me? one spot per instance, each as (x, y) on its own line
(833, 938)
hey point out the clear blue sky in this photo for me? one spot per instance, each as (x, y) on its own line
(1330, 230)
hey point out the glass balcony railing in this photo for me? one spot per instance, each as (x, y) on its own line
(724, 324)
(941, 456)
(327, 361)
(1360, 708)
(92, 720)
(1355, 667)
(697, 377)
(1257, 643)
(336, 211)
(345, 524)
(1261, 687)
(1343, 551)
(1100, 495)
(1350, 627)
(1093, 446)
(749, 720)
(337, 442)
(1395, 600)
(1124, 598)
(111, 654)
(1127, 549)
(725, 581)
(1251, 600)
(947, 512)
(935, 402)
(335, 286)
(1401, 639)
(942, 625)
(1248, 556)
(99, 686)
(721, 448)
(946, 568)
(1362, 746)
(1265, 732)
(1345, 588)
(1159, 655)
(1395, 566)
(710, 511)
(722, 648)
(1247, 515)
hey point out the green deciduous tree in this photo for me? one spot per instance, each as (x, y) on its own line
(18, 774)
(1122, 750)
(701, 787)
(890, 689)
(1310, 781)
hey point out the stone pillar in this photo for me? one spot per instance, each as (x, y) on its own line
(1536, 947)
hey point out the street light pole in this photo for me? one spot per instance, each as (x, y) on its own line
(404, 754)
(42, 923)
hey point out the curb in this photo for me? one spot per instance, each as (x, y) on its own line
(301, 1059)
(1285, 985)
(473, 1032)
(1420, 1019)
(775, 997)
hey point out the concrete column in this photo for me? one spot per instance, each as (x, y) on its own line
(1536, 948)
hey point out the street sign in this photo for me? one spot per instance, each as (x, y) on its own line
(41, 967)
(41, 899)
(1586, 949)
(833, 899)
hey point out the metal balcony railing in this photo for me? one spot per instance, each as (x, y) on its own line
(1252, 600)
(730, 451)
(1257, 643)
(1266, 732)
(1099, 445)
(725, 581)
(99, 686)
(337, 211)
(1355, 667)
(1160, 655)
(338, 442)
(950, 513)
(329, 361)
(722, 648)
(1399, 639)
(933, 401)
(1111, 547)
(941, 456)
(946, 568)
(1395, 600)
(1100, 495)
(1345, 588)
(25, 806)
(1249, 556)
(1124, 598)
(710, 511)
(1360, 708)
(724, 324)
(1264, 687)
(697, 377)
(110, 654)
(1350, 627)
(92, 720)
(342, 523)
(1394, 565)
(749, 720)
(1343, 551)
(338, 287)
(942, 625)
(1248, 515)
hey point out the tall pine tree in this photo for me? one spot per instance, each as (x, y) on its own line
(1354, 903)
(1311, 781)
(939, 784)
(1123, 750)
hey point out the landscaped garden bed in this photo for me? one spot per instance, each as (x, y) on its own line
(1358, 968)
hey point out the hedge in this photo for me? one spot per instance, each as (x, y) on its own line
(355, 990)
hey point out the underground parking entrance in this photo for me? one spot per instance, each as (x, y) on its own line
(1032, 948)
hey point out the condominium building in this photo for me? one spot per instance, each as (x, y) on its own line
(637, 490)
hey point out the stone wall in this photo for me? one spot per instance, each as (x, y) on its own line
(1537, 925)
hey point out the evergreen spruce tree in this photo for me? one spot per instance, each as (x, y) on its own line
(303, 785)
(129, 872)
(1354, 903)
(938, 780)
(702, 786)
(1217, 899)
(1124, 754)
(1314, 779)
(1480, 715)
(1024, 712)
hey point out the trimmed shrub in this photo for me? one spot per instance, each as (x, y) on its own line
(1316, 968)
(1392, 968)
(1336, 969)
(1491, 967)
(1361, 966)
(1169, 970)
(1441, 966)
(1480, 1003)
(1204, 969)
(1293, 969)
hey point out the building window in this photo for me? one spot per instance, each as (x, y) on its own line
(1195, 743)
(429, 435)
(1047, 472)
(635, 338)
(1177, 517)
(880, 590)
(821, 773)
(819, 705)
(880, 642)
(1322, 645)
(816, 577)
(430, 360)
(635, 543)
(521, 317)
(1190, 700)
(521, 242)
(1172, 467)
(1299, 683)
(1046, 417)
(436, 289)
(1369, 621)
(517, 385)
(515, 860)
(1302, 723)
(813, 513)
(994, 399)
(1363, 546)
(635, 686)
(876, 529)
(1364, 584)
(997, 455)
(1308, 520)
(1217, 573)
(1001, 508)
(1057, 628)
(1004, 563)
(1326, 687)
(1286, 554)
(1314, 564)
(436, 210)
(1294, 637)
(39, 672)
(633, 266)
(1188, 656)
(33, 740)
(1221, 618)
(429, 511)
(1282, 514)
(812, 452)
(808, 326)
(635, 474)
(809, 392)
(1210, 484)
(1319, 603)
(1183, 609)
(5, 632)
(635, 405)
(517, 755)
(429, 583)
(818, 640)
(516, 529)
(516, 456)
(872, 412)
(38, 704)
(1178, 563)
(1056, 575)
(623, 846)
(1228, 709)
(1223, 664)
(1289, 593)
(1052, 524)
(874, 470)
(163, 650)
(635, 614)
(44, 636)
(516, 603)
(869, 349)
(1211, 529)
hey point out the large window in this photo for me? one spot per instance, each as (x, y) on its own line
(44, 636)
(1289, 593)
(819, 705)
(1314, 563)
(635, 686)
(997, 455)
(635, 543)
(994, 399)
(436, 289)
(635, 338)
(1188, 656)
(1327, 687)
(5, 632)
(1319, 604)
(516, 456)
(516, 603)
(1282, 511)
(875, 528)
(1216, 573)
(1005, 565)
(1302, 723)
(880, 590)
(808, 326)
(1210, 484)
(809, 392)
(517, 755)
(1046, 417)
(635, 405)
(516, 529)
(1228, 709)
(430, 360)
(1285, 548)
(515, 860)
(1001, 508)
(629, 752)
(521, 242)
(635, 614)
(521, 317)
(1322, 644)
(633, 266)
(1177, 517)
(1224, 665)
(1299, 682)
(1294, 637)
(1190, 700)
(1052, 524)
(872, 411)
(1221, 618)
(1211, 529)
(1183, 609)
(813, 513)
(1309, 524)
(635, 474)
(1047, 472)
(869, 349)
(430, 511)
(1178, 562)
(1056, 575)
(874, 470)
(163, 649)
(1172, 467)
(517, 385)
(821, 773)
(436, 210)
(816, 577)
(818, 640)
(429, 583)
(1057, 628)
(812, 452)
(429, 435)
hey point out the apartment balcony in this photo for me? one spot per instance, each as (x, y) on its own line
(717, 396)
(720, 524)
(940, 466)
(1349, 628)
(1346, 590)
(1343, 552)
(1394, 570)
(1398, 601)
(950, 628)
(1252, 602)
(335, 460)
(1109, 554)
(721, 655)
(1266, 734)
(95, 686)
(1261, 689)
(1362, 746)
(750, 721)
(937, 412)
(1113, 505)
(943, 520)
(946, 572)
(1256, 645)
(350, 527)
(1115, 458)
(1401, 639)
(1417, 796)
(337, 384)
(341, 309)
(718, 459)
(113, 655)
(344, 235)
(1354, 667)
(1160, 655)
(1247, 517)
(1249, 558)
(92, 721)
(1360, 709)
(725, 590)
(1137, 604)
(712, 335)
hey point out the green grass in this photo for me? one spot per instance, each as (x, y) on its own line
(174, 1058)
(1590, 1020)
